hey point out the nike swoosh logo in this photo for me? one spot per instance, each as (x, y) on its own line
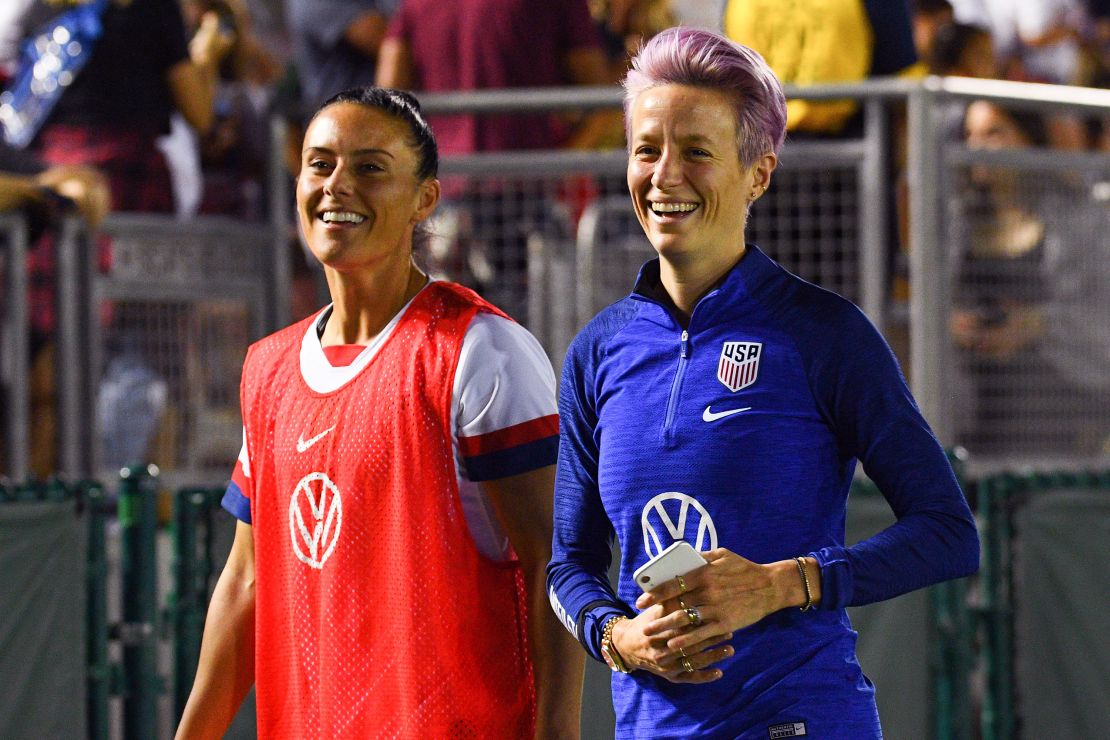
(303, 444)
(708, 415)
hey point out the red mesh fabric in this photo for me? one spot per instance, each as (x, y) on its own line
(376, 615)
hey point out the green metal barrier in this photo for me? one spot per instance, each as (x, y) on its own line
(138, 632)
(193, 569)
(999, 496)
(100, 671)
(951, 636)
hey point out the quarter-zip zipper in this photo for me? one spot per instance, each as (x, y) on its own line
(676, 387)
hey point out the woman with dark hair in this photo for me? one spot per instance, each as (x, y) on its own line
(394, 487)
(725, 404)
(1032, 362)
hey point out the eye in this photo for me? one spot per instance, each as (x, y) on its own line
(645, 151)
(319, 165)
(699, 153)
(370, 167)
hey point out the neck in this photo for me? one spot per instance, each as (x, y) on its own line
(686, 281)
(364, 303)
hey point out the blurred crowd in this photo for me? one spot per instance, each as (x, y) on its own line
(200, 78)
(169, 111)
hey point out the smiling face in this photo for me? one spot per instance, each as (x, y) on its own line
(689, 189)
(358, 194)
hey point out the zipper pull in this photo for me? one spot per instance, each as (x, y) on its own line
(685, 343)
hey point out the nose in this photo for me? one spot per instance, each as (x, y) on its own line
(338, 182)
(668, 170)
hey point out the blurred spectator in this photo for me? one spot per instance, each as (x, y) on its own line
(481, 44)
(928, 17)
(44, 194)
(623, 26)
(140, 70)
(1031, 285)
(1036, 40)
(963, 50)
(234, 153)
(818, 41)
(336, 44)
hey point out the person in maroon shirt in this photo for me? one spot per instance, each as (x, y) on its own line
(481, 44)
(484, 44)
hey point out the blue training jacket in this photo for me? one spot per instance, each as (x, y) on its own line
(743, 432)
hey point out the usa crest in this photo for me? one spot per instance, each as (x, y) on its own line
(739, 364)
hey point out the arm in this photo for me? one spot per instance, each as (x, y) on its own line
(86, 187)
(866, 400)
(365, 33)
(585, 65)
(226, 669)
(523, 505)
(577, 575)
(395, 65)
(193, 81)
(17, 191)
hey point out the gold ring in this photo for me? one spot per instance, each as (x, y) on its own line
(681, 603)
(681, 585)
(687, 666)
(682, 652)
(693, 615)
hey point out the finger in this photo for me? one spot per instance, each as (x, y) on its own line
(675, 622)
(706, 676)
(696, 668)
(679, 620)
(689, 641)
(671, 589)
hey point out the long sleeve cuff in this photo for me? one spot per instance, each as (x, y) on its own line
(593, 623)
(836, 578)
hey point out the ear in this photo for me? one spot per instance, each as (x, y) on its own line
(426, 199)
(762, 170)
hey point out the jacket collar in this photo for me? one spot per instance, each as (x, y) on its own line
(739, 284)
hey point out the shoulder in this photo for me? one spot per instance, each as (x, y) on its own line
(265, 350)
(819, 321)
(594, 338)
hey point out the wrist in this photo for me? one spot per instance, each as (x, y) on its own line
(612, 655)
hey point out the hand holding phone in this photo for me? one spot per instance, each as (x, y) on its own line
(677, 560)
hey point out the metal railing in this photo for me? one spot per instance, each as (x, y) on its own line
(14, 342)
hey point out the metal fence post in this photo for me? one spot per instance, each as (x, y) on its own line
(15, 369)
(189, 600)
(96, 611)
(137, 632)
(928, 266)
(874, 195)
(76, 363)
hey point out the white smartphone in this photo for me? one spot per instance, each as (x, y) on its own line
(677, 560)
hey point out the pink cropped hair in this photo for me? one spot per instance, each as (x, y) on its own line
(700, 58)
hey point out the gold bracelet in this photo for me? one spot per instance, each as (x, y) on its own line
(608, 650)
(805, 582)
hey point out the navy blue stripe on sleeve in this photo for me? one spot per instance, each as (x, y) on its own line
(513, 461)
(238, 504)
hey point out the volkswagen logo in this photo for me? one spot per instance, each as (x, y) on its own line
(674, 516)
(315, 517)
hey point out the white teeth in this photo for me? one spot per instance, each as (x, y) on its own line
(673, 207)
(333, 216)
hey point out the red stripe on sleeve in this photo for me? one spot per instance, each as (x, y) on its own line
(503, 439)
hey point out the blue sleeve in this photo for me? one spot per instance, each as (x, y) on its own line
(863, 395)
(581, 551)
(892, 31)
(236, 503)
